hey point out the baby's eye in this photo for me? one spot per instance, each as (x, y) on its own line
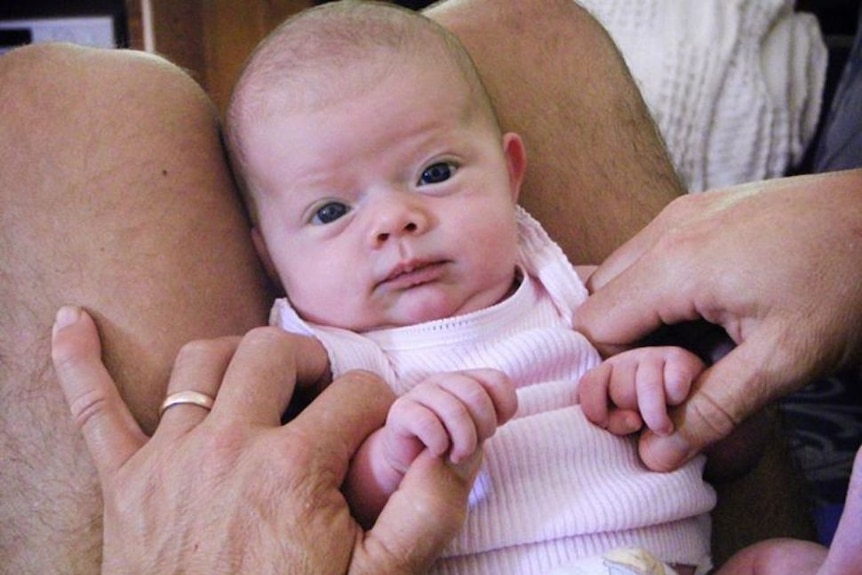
(436, 173)
(330, 212)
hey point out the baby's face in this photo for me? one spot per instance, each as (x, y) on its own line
(390, 207)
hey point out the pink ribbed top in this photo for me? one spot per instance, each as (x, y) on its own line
(554, 488)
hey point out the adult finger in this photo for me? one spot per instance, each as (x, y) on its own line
(420, 519)
(199, 369)
(111, 433)
(621, 313)
(259, 380)
(343, 416)
(623, 257)
(657, 278)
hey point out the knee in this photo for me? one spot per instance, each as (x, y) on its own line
(557, 16)
(24, 68)
(50, 59)
(50, 54)
(547, 29)
(36, 56)
(69, 71)
(519, 17)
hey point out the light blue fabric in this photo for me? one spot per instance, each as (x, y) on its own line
(840, 146)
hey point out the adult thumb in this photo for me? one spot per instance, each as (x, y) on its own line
(111, 433)
(724, 396)
(421, 518)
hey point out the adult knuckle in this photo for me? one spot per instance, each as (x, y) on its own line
(676, 238)
(299, 461)
(714, 416)
(684, 208)
(266, 335)
(195, 349)
(294, 456)
(65, 355)
(88, 408)
(388, 557)
(219, 453)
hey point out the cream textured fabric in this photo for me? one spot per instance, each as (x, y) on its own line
(735, 86)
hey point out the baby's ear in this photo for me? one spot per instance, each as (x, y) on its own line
(516, 159)
(265, 258)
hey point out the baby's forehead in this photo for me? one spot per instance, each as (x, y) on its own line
(314, 90)
(330, 82)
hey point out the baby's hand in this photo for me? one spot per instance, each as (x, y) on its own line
(635, 388)
(452, 412)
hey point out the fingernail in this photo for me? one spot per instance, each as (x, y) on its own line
(664, 453)
(469, 467)
(66, 316)
(678, 447)
(665, 431)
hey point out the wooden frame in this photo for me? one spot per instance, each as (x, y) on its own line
(209, 38)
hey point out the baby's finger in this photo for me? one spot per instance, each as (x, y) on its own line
(624, 421)
(622, 392)
(500, 389)
(651, 398)
(413, 418)
(593, 394)
(475, 396)
(680, 371)
(444, 400)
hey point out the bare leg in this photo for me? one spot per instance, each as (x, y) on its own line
(777, 557)
(845, 554)
(598, 170)
(113, 195)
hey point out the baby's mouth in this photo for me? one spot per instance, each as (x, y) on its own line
(413, 273)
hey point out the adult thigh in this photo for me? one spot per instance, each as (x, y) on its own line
(114, 195)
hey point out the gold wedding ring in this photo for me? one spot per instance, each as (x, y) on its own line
(187, 398)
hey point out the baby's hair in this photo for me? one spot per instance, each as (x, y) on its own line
(324, 43)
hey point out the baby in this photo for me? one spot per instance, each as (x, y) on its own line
(383, 198)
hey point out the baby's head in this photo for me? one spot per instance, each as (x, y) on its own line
(381, 188)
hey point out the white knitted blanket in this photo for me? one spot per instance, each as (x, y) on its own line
(735, 86)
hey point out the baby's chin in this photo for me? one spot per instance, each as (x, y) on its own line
(426, 309)
(407, 318)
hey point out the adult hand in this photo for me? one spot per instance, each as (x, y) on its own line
(233, 491)
(777, 264)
